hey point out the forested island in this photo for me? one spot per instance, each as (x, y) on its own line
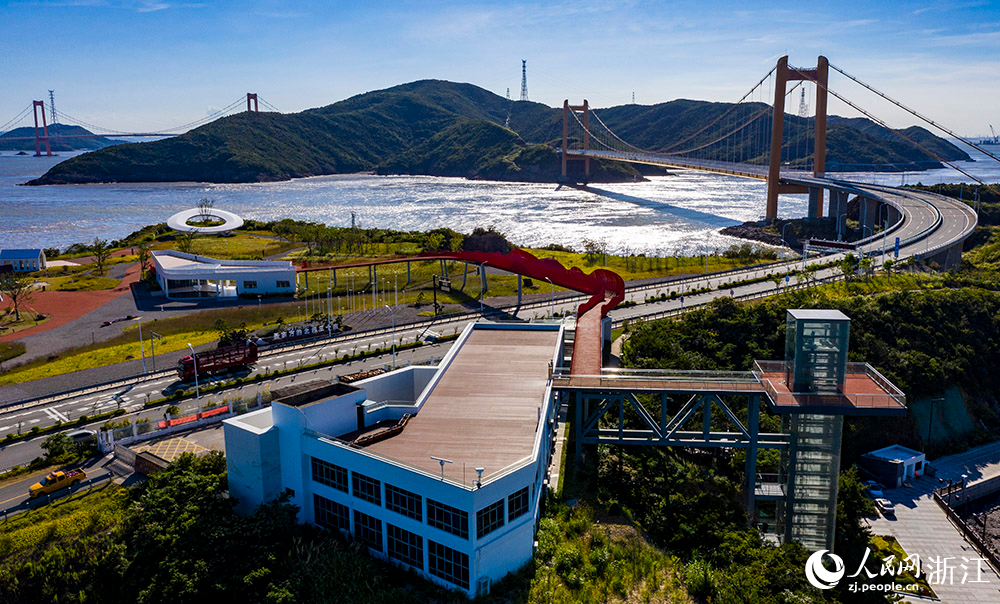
(79, 139)
(439, 128)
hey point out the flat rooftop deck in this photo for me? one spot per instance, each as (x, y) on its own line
(484, 410)
(862, 395)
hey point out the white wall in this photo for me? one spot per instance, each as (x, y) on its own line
(252, 462)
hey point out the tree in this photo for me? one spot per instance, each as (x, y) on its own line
(866, 266)
(231, 336)
(56, 445)
(848, 265)
(144, 256)
(101, 251)
(887, 266)
(205, 208)
(19, 288)
(184, 242)
(776, 279)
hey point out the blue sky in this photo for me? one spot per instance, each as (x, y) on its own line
(153, 64)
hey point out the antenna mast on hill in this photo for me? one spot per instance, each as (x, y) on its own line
(524, 79)
(52, 106)
(803, 107)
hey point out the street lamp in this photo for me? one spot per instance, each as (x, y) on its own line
(393, 335)
(783, 233)
(552, 300)
(194, 358)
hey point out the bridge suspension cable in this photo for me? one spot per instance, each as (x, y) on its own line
(913, 112)
(12, 124)
(882, 123)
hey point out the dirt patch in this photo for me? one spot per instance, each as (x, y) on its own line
(63, 307)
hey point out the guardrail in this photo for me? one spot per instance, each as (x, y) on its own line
(985, 549)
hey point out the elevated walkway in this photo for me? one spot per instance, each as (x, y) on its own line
(865, 391)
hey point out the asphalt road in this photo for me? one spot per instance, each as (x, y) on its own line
(14, 495)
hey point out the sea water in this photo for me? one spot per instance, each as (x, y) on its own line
(680, 213)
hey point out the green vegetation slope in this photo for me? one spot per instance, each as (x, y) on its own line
(444, 128)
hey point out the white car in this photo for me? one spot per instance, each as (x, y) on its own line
(885, 506)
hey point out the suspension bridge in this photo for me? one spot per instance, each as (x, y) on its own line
(35, 118)
(748, 139)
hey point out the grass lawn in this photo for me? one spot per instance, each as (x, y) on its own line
(81, 515)
(888, 546)
(81, 283)
(241, 246)
(9, 325)
(10, 350)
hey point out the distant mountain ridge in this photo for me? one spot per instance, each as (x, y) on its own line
(442, 128)
(83, 142)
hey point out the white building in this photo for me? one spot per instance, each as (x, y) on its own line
(440, 469)
(183, 275)
(23, 261)
(894, 465)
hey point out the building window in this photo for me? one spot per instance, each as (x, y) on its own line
(489, 519)
(284, 283)
(404, 502)
(517, 504)
(368, 530)
(249, 285)
(330, 514)
(447, 518)
(405, 546)
(329, 474)
(448, 564)
(367, 488)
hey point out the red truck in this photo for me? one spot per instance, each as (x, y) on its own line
(214, 361)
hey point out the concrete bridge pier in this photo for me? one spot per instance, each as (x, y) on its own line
(838, 204)
(815, 209)
(868, 213)
(948, 258)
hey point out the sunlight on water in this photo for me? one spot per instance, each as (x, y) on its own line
(682, 212)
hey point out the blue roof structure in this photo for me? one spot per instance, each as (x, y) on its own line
(19, 254)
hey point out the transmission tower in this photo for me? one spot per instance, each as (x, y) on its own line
(52, 106)
(803, 107)
(524, 79)
(508, 94)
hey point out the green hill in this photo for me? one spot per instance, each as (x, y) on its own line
(82, 141)
(448, 129)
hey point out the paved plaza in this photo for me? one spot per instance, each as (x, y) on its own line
(922, 528)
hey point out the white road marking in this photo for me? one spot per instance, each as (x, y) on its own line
(56, 415)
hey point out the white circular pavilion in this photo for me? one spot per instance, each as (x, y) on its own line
(179, 221)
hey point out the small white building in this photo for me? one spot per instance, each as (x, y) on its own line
(23, 261)
(894, 465)
(438, 469)
(183, 275)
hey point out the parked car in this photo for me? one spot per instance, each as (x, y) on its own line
(885, 506)
(874, 489)
(82, 437)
